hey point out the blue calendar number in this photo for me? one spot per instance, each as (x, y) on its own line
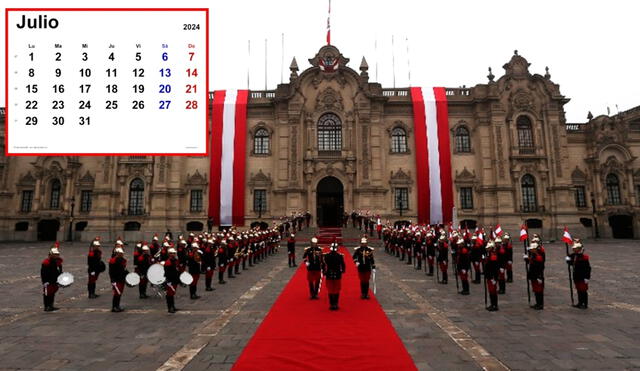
(165, 88)
(165, 56)
(165, 72)
(164, 104)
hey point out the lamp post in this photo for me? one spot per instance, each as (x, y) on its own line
(595, 217)
(73, 205)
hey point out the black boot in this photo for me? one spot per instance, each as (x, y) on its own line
(366, 290)
(221, 278)
(585, 299)
(444, 278)
(52, 298)
(207, 284)
(465, 288)
(89, 291)
(494, 303)
(477, 279)
(169, 304)
(331, 301)
(539, 302)
(312, 290)
(237, 269)
(230, 275)
(579, 304)
(142, 290)
(337, 298)
(192, 291)
(509, 276)
(503, 286)
(362, 290)
(115, 304)
(430, 271)
(173, 304)
(47, 307)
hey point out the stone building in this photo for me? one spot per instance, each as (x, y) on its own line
(332, 141)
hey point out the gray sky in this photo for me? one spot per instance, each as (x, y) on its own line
(591, 47)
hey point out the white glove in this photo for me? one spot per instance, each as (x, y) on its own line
(307, 263)
(493, 282)
(539, 281)
(483, 256)
(501, 270)
(464, 271)
(357, 264)
(93, 273)
(373, 270)
(46, 284)
(568, 258)
(525, 256)
(208, 268)
(586, 280)
(509, 262)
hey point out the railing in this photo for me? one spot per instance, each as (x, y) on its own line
(395, 92)
(531, 208)
(527, 150)
(329, 153)
(458, 91)
(574, 127)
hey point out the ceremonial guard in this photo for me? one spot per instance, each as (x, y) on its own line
(431, 252)
(209, 263)
(443, 257)
(183, 252)
(117, 274)
(363, 257)
(506, 242)
(95, 266)
(155, 246)
(502, 262)
(333, 267)
(291, 250)
(312, 258)
(194, 260)
(49, 272)
(581, 273)
(237, 256)
(463, 265)
(536, 260)
(491, 272)
(419, 250)
(231, 254)
(172, 275)
(144, 262)
(222, 261)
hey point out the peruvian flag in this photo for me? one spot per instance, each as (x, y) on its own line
(480, 239)
(523, 233)
(228, 156)
(566, 237)
(498, 231)
(433, 155)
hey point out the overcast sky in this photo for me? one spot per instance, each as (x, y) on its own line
(591, 47)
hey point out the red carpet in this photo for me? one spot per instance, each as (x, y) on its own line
(303, 334)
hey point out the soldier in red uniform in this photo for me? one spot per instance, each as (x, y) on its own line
(95, 266)
(313, 260)
(536, 259)
(431, 252)
(363, 257)
(172, 275)
(443, 257)
(463, 265)
(581, 273)
(333, 267)
(117, 273)
(506, 242)
(144, 262)
(502, 262)
(49, 271)
(491, 273)
(194, 259)
(477, 253)
(291, 250)
(209, 263)
(222, 261)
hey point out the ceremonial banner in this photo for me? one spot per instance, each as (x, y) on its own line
(228, 157)
(433, 155)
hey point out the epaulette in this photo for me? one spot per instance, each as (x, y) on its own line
(585, 256)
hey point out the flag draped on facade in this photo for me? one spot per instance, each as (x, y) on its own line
(433, 155)
(228, 157)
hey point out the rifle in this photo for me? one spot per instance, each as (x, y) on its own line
(454, 257)
(566, 246)
(484, 277)
(437, 266)
(525, 244)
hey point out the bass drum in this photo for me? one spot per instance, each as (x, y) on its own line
(186, 278)
(155, 274)
(65, 279)
(132, 279)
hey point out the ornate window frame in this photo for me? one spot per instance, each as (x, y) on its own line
(407, 134)
(253, 131)
(454, 133)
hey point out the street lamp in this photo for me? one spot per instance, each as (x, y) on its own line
(595, 217)
(73, 205)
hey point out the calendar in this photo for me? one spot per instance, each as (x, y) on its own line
(106, 81)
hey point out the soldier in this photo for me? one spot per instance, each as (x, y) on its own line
(144, 262)
(95, 266)
(291, 250)
(443, 257)
(491, 273)
(194, 260)
(501, 250)
(431, 252)
(209, 263)
(313, 260)
(117, 273)
(363, 257)
(172, 274)
(581, 273)
(231, 253)
(506, 242)
(419, 249)
(477, 253)
(307, 218)
(182, 253)
(155, 246)
(222, 261)
(463, 265)
(333, 267)
(50, 270)
(536, 262)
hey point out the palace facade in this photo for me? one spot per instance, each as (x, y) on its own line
(330, 141)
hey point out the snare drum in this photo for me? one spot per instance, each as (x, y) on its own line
(186, 278)
(155, 274)
(132, 279)
(65, 279)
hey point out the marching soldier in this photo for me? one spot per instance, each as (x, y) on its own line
(222, 261)
(50, 270)
(431, 252)
(231, 252)
(313, 260)
(209, 263)
(155, 246)
(144, 262)
(172, 274)
(581, 273)
(237, 256)
(491, 273)
(182, 253)
(477, 254)
(463, 265)
(333, 268)
(443, 257)
(95, 267)
(291, 250)
(501, 250)
(536, 262)
(117, 273)
(194, 260)
(506, 242)
(419, 250)
(363, 257)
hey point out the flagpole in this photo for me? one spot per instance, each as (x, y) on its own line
(248, 61)
(282, 60)
(408, 61)
(265, 64)
(375, 51)
(393, 61)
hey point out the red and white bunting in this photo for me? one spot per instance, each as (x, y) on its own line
(566, 237)
(433, 155)
(228, 157)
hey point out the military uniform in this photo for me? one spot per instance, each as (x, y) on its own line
(431, 252)
(222, 261)
(313, 260)
(194, 266)
(536, 260)
(333, 267)
(491, 273)
(581, 274)
(209, 263)
(172, 275)
(463, 265)
(443, 258)
(50, 269)
(291, 250)
(117, 273)
(365, 262)
(501, 250)
(477, 256)
(144, 262)
(95, 266)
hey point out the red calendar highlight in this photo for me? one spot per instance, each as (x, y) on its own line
(106, 81)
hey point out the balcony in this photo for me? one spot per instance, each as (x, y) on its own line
(329, 154)
(531, 208)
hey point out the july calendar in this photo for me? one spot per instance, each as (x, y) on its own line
(106, 81)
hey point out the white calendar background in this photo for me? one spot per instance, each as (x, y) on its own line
(108, 82)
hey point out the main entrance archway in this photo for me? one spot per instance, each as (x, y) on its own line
(621, 226)
(330, 202)
(48, 229)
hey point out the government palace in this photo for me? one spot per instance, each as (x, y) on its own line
(330, 143)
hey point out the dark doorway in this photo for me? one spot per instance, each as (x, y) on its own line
(330, 202)
(195, 226)
(48, 230)
(621, 226)
(468, 224)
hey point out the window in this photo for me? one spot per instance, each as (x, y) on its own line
(402, 198)
(54, 200)
(525, 134)
(259, 200)
(196, 200)
(329, 133)
(613, 190)
(529, 202)
(85, 201)
(398, 140)
(466, 198)
(463, 142)
(27, 201)
(581, 199)
(261, 142)
(136, 197)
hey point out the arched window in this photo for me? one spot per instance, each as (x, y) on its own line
(463, 142)
(529, 201)
(54, 200)
(329, 133)
(261, 142)
(136, 197)
(613, 190)
(398, 140)
(525, 134)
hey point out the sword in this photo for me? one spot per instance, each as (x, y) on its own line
(320, 284)
(374, 282)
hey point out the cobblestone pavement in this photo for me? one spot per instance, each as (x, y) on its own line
(441, 329)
